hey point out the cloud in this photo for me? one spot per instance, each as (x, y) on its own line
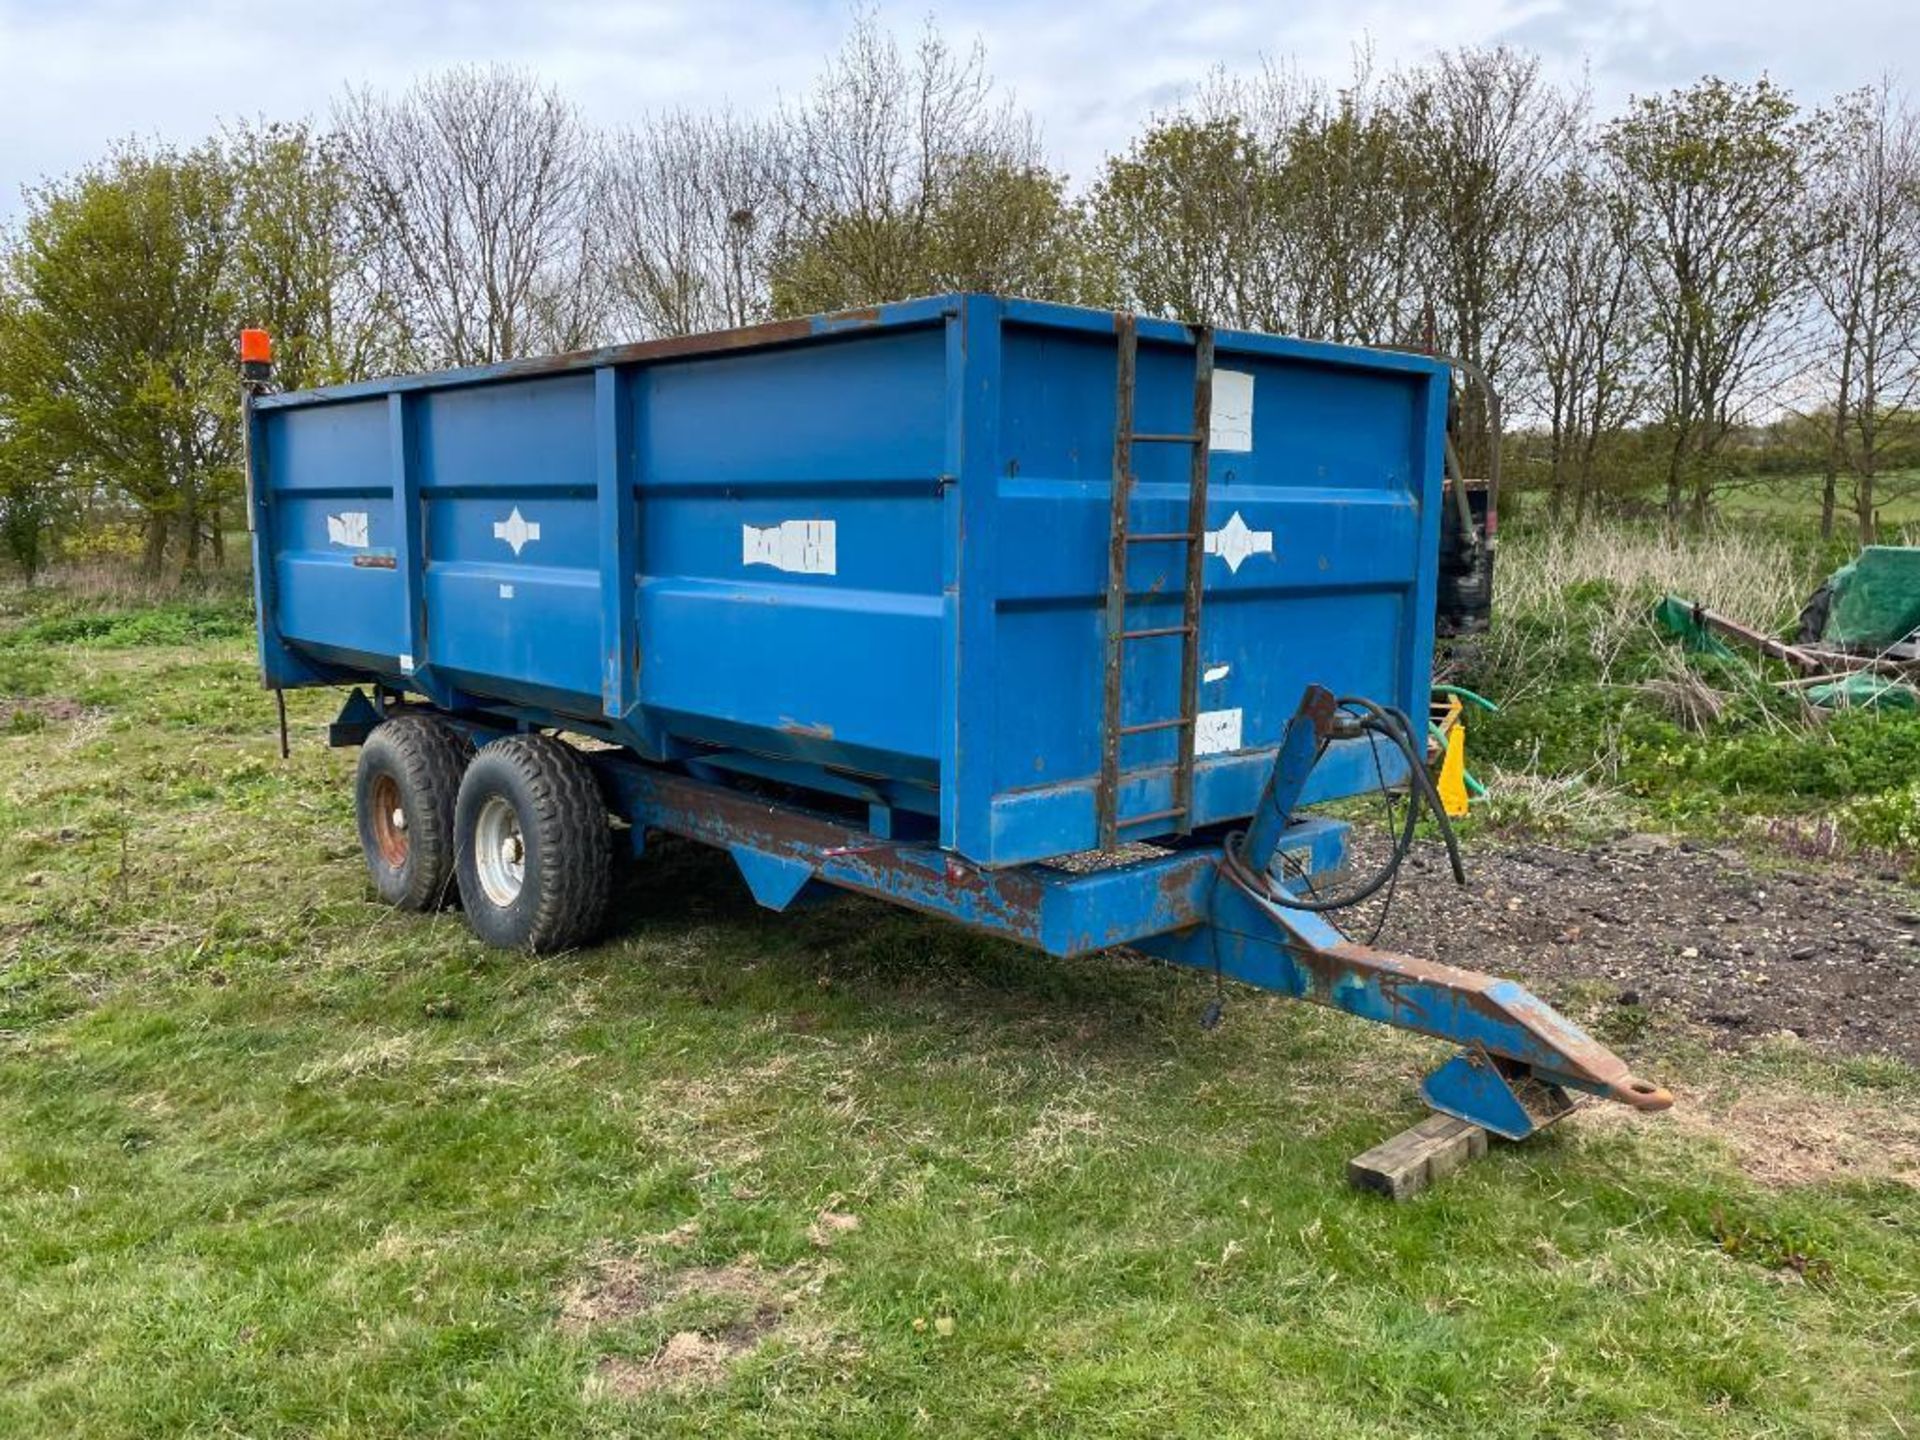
(79, 74)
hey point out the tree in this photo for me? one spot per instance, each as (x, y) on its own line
(30, 507)
(1271, 204)
(688, 224)
(1583, 321)
(905, 175)
(1354, 205)
(1486, 134)
(1714, 175)
(1865, 276)
(1007, 228)
(1182, 222)
(480, 185)
(119, 369)
(305, 266)
(31, 500)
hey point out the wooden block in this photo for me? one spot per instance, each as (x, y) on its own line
(1412, 1160)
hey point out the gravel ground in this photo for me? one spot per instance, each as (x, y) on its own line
(1706, 936)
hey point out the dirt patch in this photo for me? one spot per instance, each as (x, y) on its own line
(1788, 1137)
(687, 1361)
(622, 1290)
(830, 1225)
(680, 1236)
(1674, 931)
(743, 1305)
(19, 712)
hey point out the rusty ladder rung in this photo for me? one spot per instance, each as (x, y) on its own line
(1152, 815)
(1140, 438)
(1158, 537)
(1148, 726)
(1156, 630)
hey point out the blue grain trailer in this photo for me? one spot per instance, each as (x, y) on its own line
(916, 602)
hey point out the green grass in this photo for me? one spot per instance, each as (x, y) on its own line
(276, 1161)
(1795, 500)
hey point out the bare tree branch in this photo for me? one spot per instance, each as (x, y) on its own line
(480, 183)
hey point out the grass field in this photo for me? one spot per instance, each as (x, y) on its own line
(276, 1161)
(1795, 499)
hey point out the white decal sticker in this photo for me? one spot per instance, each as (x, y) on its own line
(1233, 542)
(349, 529)
(1216, 672)
(803, 547)
(406, 664)
(1232, 416)
(506, 592)
(1216, 732)
(516, 530)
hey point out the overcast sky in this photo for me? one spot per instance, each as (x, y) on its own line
(76, 74)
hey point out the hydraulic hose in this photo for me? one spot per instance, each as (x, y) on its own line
(1418, 778)
(1392, 725)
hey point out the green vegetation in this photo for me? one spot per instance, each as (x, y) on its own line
(1601, 704)
(277, 1161)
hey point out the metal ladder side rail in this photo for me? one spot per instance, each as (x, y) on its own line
(1200, 454)
(1120, 539)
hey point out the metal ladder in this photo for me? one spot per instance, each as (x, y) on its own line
(1121, 541)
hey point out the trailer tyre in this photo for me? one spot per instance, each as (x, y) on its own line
(403, 797)
(534, 852)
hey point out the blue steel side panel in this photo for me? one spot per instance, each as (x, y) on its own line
(327, 470)
(976, 367)
(837, 662)
(281, 665)
(528, 613)
(619, 521)
(1339, 491)
(1416, 620)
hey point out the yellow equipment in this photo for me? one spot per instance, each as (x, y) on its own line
(1449, 726)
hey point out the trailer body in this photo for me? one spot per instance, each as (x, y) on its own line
(872, 551)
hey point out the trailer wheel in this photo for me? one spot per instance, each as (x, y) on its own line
(534, 853)
(403, 793)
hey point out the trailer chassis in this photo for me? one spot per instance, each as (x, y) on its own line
(1518, 1062)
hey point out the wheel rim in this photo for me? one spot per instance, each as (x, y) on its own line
(389, 814)
(499, 851)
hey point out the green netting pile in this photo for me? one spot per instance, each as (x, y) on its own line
(1870, 593)
(1675, 616)
(1876, 599)
(1864, 692)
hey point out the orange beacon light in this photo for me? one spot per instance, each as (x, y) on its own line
(256, 354)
